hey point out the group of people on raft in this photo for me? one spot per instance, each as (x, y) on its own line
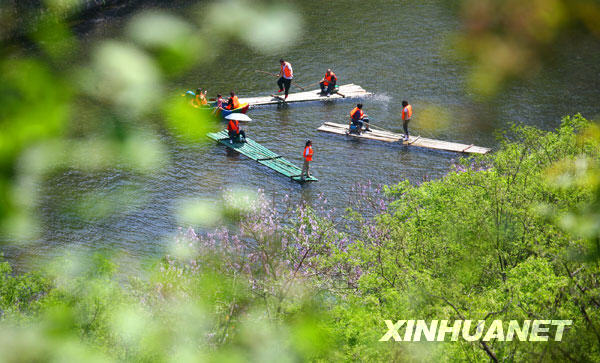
(286, 74)
(200, 100)
(359, 120)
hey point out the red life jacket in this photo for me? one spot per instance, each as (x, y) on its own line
(356, 114)
(327, 79)
(234, 126)
(308, 153)
(234, 103)
(406, 113)
(286, 70)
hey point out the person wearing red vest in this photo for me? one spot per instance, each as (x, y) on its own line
(233, 101)
(328, 82)
(285, 76)
(234, 131)
(406, 115)
(307, 155)
(358, 119)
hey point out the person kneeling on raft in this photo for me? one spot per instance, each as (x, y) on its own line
(358, 119)
(234, 131)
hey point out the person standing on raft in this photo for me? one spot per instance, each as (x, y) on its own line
(285, 77)
(328, 83)
(358, 119)
(406, 115)
(307, 155)
(234, 131)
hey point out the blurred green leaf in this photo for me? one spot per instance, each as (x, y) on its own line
(186, 122)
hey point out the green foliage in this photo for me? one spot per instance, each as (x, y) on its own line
(477, 245)
(20, 293)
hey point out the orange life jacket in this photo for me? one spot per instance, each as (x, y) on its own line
(286, 70)
(356, 114)
(235, 103)
(327, 79)
(308, 153)
(407, 113)
(234, 126)
(200, 100)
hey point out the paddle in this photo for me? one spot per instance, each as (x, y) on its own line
(408, 142)
(341, 94)
(313, 84)
(377, 127)
(277, 75)
(334, 91)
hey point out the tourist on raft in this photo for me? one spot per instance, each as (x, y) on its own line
(234, 131)
(219, 103)
(285, 77)
(406, 115)
(307, 155)
(358, 119)
(199, 99)
(328, 83)
(233, 102)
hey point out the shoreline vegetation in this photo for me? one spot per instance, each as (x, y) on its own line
(504, 236)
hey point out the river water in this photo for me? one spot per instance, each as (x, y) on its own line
(395, 49)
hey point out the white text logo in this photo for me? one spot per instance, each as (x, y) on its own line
(529, 330)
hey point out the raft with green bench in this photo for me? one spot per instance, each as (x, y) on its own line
(262, 155)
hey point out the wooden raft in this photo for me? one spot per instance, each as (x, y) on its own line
(348, 90)
(418, 141)
(261, 154)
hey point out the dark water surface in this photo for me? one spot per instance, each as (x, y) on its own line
(395, 49)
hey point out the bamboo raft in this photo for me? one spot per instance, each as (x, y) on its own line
(262, 155)
(418, 141)
(348, 90)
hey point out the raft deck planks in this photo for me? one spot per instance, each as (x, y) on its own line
(262, 155)
(348, 90)
(418, 141)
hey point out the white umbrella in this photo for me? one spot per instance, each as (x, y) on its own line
(238, 116)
